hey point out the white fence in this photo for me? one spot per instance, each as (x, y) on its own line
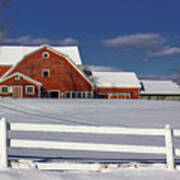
(168, 150)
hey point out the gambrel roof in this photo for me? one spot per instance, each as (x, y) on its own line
(10, 55)
(53, 50)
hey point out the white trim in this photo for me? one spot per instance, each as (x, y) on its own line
(44, 55)
(39, 91)
(21, 75)
(58, 53)
(76, 94)
(47, 70)
(17, 78)
(30, 93)
(4, 93)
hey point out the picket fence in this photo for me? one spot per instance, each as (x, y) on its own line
(168, 150)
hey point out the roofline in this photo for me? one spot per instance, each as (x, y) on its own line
(55, 51)
(6, 65)
(118, 87)
(159, 94)
(22, 75)
(113, 72)
(45, 44)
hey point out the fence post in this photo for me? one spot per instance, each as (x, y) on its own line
(169, 147)
(3, 143)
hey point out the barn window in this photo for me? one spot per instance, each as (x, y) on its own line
(45, 73)
(83, 95)
(45, 55)
(4, 89)
(89, 94)
(29, 89)
(73, 95)
(68, 95)
(17, 78)
(79, 94)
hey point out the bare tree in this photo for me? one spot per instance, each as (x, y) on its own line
(4, 21)
(177, 71)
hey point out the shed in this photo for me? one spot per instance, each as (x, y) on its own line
(122, 85)
(159, 90)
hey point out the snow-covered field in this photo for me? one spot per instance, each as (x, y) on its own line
(123, 113)
(123, 174)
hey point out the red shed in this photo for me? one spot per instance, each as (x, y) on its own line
(116, 85)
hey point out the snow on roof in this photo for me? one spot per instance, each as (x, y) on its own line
(159, 87)
(116, 79)
(10, 55)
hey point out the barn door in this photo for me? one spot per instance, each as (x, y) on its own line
(17, 92)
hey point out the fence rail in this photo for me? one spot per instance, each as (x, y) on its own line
(85, 129)
(167, 133)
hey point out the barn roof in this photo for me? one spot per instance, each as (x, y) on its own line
(10, 55)
(115, 80)
(159, 87)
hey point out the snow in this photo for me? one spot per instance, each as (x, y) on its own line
(10, 55)
(122, 113)
(123, 174)
(160, 87)
(116, 79)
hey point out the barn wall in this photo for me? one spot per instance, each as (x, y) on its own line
(118, 93)
(160, 97)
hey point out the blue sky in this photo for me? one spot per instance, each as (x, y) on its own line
(132, 35)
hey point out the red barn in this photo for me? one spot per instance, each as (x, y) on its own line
(33, 71)
(44, 72)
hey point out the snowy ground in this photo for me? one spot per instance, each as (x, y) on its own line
(123, 113)
(123, 174)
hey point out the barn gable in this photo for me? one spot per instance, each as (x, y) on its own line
(18, 76)
(19, 85)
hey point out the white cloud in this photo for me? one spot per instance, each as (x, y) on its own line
(173, 77)
(136, 41)
(103, 68)
(68, 42)
(151, 44)
(171, 51)
(28, 40)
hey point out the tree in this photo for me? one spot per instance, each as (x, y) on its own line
(177, 71)
(4, 21)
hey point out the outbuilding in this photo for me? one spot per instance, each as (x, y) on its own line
(116, 85)
(159, 90)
